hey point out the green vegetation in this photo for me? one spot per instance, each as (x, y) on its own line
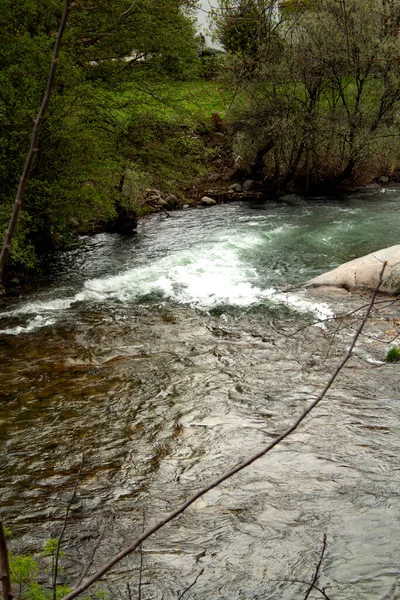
(26, 570)
(127, 113)
(320, 90)
(393, 355)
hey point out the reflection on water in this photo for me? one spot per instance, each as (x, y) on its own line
(163, 396)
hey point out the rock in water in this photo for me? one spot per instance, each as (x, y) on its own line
(206, 201)
(363, 273)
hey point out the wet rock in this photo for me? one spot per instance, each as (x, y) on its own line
(383, 179)
(290, 199)
(206, 201)
(235, 187)
(186, 206)
(125, 222)
(363, 273)
(248, 185)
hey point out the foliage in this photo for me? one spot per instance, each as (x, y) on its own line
(324, 109)
(393, 355)
(107, 46)
(7, 533)
(25, 571)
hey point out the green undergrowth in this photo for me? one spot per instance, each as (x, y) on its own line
(183, 103)
(162, 131)
(28, 571)
(393, 355)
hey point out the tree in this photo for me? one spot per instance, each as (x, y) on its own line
(325, 110)
(73, 179)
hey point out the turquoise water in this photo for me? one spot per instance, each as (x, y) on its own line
(236, 255)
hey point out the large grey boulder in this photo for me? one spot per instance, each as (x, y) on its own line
(363, 273)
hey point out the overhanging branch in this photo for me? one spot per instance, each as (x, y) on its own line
(173, 515)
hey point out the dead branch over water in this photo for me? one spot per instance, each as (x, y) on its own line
(181, 509)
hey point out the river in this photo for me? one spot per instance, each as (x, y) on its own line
(169, 356)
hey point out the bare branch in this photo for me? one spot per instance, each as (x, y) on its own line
(33, 150)
(318, 567)
(320, 590)
(129, 591)
(191, 585)
(4, 566)
(93, 554)
(181, 509)
(141, 562)
(57, 554)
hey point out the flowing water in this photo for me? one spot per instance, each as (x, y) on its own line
(168, 357)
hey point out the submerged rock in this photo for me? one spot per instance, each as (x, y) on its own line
(364, 272)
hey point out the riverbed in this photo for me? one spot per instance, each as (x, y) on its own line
(169, 356)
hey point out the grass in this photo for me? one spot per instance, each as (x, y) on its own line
(174, 102)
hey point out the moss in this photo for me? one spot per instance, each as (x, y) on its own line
(393, 355)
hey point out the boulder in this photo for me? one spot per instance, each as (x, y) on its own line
(208, 201)
(235, 187)
(363, 273)
(248, 185)
(214, 177)
(125, 222)
(161, 202)
(384, 179)
(172, 200)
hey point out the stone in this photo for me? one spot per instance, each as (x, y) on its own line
(384, 179)
(161, 202)
(363, 273)
(172, 200)
(186, 206)
(208, 201)
(125, 223)
(248, 185)
(214, 177)
(291, 200)
(153, 192)
(235, 187)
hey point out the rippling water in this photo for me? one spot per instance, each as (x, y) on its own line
(168, 357)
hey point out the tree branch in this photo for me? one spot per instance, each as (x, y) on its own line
(33, 150)
(178, 511)
(57, 554)
(4, 566)
(316, 574)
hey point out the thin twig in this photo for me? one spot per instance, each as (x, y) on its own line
(320, 590)
(4, 566)
(57, 553)
(33, 150)
(181, 509)
(141, 562)
(317, 569)
(191, 585)
(93, 554)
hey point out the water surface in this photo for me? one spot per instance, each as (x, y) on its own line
(165, 357)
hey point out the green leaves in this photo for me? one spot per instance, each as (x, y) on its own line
(80, 158)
